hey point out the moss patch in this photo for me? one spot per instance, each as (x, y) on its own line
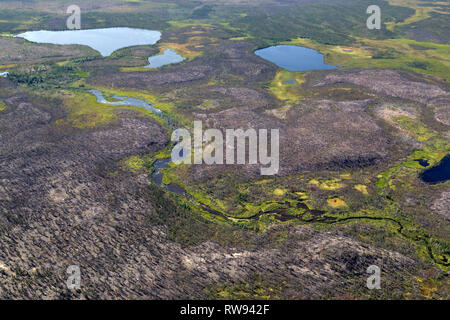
(85, 111)
(287, 84)
(336, 203)
(134, 163)
(3, 106)
(362, 188)
(279, 192)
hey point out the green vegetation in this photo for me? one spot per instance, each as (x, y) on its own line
(48, 75)
(177, 214)
(134, 163)
(421, 57)
(257, 287)
(85, 111)
(3, 106)
(286, 85)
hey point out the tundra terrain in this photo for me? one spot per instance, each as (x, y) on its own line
(76, 182)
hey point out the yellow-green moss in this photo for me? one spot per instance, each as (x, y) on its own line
(134, 163)
(331, 184)
(336, 203)
(86, 112)
(362, 188)
(285, 91)
(279, 192)
(3, 106)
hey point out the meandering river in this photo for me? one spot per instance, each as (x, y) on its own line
(131, 102)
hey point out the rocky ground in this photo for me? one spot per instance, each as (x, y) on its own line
(441, 205)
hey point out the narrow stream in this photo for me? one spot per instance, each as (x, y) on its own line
(157, 177)
(130, 102)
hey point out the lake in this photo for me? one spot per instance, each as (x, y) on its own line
(168, 57)
(105, 41)
(438, 173)
(294, 58)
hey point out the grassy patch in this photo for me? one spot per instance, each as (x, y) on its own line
(336, 203)
(135, 163)
(362, 188)
(3, 106)
(279, 192)
(158, 102)
(331, 184)
(287, 84)
(85, 112)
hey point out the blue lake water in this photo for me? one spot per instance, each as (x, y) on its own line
(125, 101)
(438, 173)
(168, 57)
(294, 58)
(130, 102)
(105, 41)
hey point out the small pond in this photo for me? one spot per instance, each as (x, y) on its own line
(294, 58)
(168, 57)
